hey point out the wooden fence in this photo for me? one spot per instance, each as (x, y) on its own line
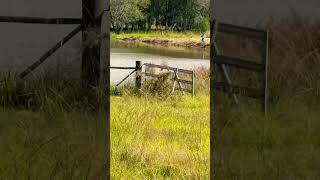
(137, 69)
(181, 81)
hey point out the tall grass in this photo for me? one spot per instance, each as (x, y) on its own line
(159, 135)
(285, 144)
(160, 139)
(53, 134)
(47, 131)
(36, 145)
(294, 58)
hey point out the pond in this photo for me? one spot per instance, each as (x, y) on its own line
(126, 55)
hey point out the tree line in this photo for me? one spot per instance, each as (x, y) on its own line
(174, 15)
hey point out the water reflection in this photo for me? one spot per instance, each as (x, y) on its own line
(178, 52)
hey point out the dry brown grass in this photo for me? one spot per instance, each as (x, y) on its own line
(295, 58)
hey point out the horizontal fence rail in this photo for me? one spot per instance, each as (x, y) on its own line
(136, 70)
(242, 31)
(185, 81)
(168, 68)
(37, 20)
(243, 91)
(239, 63)
(115, 67)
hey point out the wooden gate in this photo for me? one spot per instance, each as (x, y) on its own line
(224, 61)
(179, 77)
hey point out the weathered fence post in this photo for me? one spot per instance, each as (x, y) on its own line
(193, 83)
(212, 54)
(104, 86)
(266, 69)
(138, 75)
(90, 48)
(95, 74)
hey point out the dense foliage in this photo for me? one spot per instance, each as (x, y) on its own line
(180, 15)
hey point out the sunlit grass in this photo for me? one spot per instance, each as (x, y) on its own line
(155, 139)
(160, 35)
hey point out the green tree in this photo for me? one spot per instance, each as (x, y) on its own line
(202, 25)
(124, 13)
(180, 15)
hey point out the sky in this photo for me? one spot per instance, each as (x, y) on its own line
(22, 44)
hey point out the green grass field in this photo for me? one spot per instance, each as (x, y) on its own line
(160, 139)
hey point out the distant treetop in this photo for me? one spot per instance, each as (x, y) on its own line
(177, 15)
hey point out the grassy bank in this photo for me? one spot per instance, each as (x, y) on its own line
(185, 39)
(159, 34)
